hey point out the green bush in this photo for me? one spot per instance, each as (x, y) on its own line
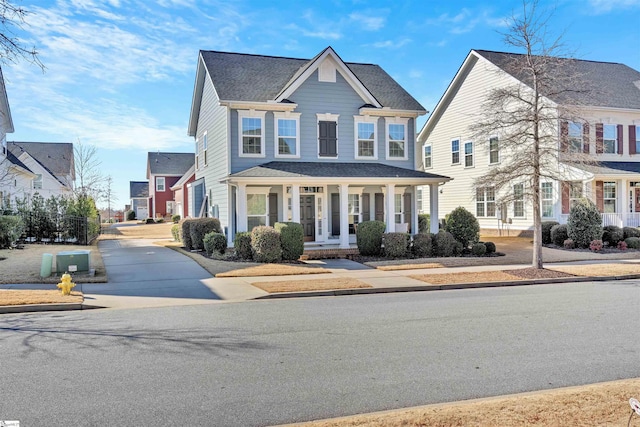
(175, 232)
(559, 234)
(186, 233)
(214, 242)
(149, 221)
(11, 228)
(201, 227)
(242, 245)
(131, 215)
(422, 245)
(369, 237)
(464, 226)
(491, 247)
(546, 227)
(265, 244)
(395, 244)
(478, 249)
(585, 223)
(632, 242)
(291, 239)
(424, 223)
(444, 244)
(630, 232)
(612, 234)
(175, 218)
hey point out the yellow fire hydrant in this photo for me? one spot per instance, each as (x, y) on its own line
(66, 284)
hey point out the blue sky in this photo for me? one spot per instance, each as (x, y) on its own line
(120, 73)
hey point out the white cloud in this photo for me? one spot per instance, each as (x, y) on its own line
(466, 20)
(391, 44)
(368, 22)
(415, 74)
(604, 6)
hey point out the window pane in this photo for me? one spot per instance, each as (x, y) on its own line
(609, 190)
(286, 127)
(396, 149)
(251, 145)
(251, 126)
(397, 201)
(354, 204)
(491, 209)
(366, 131)
(547, 208)
(287, 146)
(479, 209)
(365, 148)
(256, 204)
(610, 138)
(254, 221)
(396, 132)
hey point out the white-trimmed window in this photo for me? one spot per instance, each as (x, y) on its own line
(366, 141)
(609, 196)
(610, 138)
(494, 150)
(287, 132)
(419, 199)
(455, 152)
(637, 139)
(353, 202)
(37, 182)
(575, 192)
(546, 195)
(160, 183)
(397, 148)
(257, 210)
(575, 137)
(468, 154)
(427, 159)
(398, 202)
(204, 148)
(518, 201)
(486, 202)
(251, 133)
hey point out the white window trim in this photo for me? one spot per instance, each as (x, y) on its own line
(523, 200)
(614, 198)
(424, 164)
(259, 191)
(287, 116)
(473, 155)
(397, 121)
(553, 215)
(579, 136)
(451, 148)
(327, 117)
(365, 119)
(615, 139)
(204, 147)
(251, 114)
(490, 138)
(35, 180)
(164, 184)
(197, 153)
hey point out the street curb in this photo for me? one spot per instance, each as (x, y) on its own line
(31, 308)
(450, 286)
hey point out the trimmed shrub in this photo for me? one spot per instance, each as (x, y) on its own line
(242, 245)
(291, 239)
(569, 244)
(369, 237)
(612, 234)
(149, 221)
(395, 244)
(186, 233)
(559, 234)
(175, 218)
(585, 223)
(422, 245)
(265, 244)
(131, 215)
(596, 245)
(424, 223)
(491, 247)
(214, 242)
(11, 228)
(464, 226)
(622, 246)
(630, 232)
(444, 244)
(175, 232)
(546, 231)
(632, 242)
(478, 249)
(201, 227)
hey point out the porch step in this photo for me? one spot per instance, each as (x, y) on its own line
(330, 253)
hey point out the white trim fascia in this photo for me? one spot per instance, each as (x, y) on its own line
(229, 142)
(23, 158)
(22, 170)
(365, 119)
(395, 121)
(196, 100)
(593, 108)
(7, 110)
(263, 143)
(287, 115)
(391, 112)
(256, 105)
(320, 181)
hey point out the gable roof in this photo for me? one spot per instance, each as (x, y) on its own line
(176, 164)
(7, 121)
(138, 189)
(55, 157)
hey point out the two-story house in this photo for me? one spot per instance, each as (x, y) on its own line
(139, 196)
(606, 129)
(318, 141)
(164, 170)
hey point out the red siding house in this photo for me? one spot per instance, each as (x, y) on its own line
(180, 193)
(164, 170)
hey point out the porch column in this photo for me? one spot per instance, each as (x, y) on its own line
(623, 201)
(416, 210)
(391, 208)
(433, 208)
(295, 203)
(344, 216)
(242, 207)
(285, 204)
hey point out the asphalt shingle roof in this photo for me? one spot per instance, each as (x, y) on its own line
(170, 163)
(138, 189)
(55, 157)
(608, 84)
(246, 77)
(604, 168)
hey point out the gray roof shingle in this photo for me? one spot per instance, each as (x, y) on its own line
(138, 189)
(607, 84)
(55, 157)
(247, 77)
(612, 168)
(177, 164)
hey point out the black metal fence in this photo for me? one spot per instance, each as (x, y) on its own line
(69, 229)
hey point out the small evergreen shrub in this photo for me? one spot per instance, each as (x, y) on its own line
(149, 221)
(559, 234)
(632, 242)
(478, 249)
(175, 218)
(585, 223)
(369, 237)
(444, 244)
(185, 233)
(422, 245)
(131, 215)
(265, 244)
(11, 228)
(491, 247)
(175, 232)
(291, 239)
(569, 244)
(395, 244)
(214, 242)
(201, 227)
(242, 245)
(464, 226)
(596, 245)
(546, 231)
(424, 223)
(622, 245)
(630, 232)
(612, 234)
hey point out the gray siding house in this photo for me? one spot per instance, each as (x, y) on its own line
(321, 142)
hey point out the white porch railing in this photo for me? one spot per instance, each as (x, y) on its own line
(631, 219)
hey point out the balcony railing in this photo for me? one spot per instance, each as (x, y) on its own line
(631, 219)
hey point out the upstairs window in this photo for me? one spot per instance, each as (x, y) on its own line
(287, 134)
(455, 152)
(37, 182)
(366, 139)
(468, 154)
(575, 134)
(610, 138)
(636, 129)
(251, 132)
(160, 183)
(397, 139)
(427, 157)
(494, 150)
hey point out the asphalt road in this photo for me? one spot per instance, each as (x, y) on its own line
(281, 361)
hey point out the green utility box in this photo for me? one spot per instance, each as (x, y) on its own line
(72, 261)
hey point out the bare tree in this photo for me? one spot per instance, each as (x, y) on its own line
(526, 115)
(108, 195)
(89, 178)
(12, 49)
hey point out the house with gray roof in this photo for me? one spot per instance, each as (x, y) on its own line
(164, 170)
(139, 195)
(603, 128)
(322, 142)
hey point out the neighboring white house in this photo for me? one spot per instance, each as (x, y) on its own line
(610, 134)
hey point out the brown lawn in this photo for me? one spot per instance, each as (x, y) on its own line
(310, 285)
(600, 269)
(273, 270)
(20, 297)
(467, 277)
(134, 230)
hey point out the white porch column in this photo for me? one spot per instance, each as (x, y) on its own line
(295, 203)
(415, 212)
(623, 201)
(433, 208)
(285, 204)
(391, 208)
(242, 207)
(344, 216)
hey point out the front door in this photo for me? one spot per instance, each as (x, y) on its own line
(637, 199)
(307, 217)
